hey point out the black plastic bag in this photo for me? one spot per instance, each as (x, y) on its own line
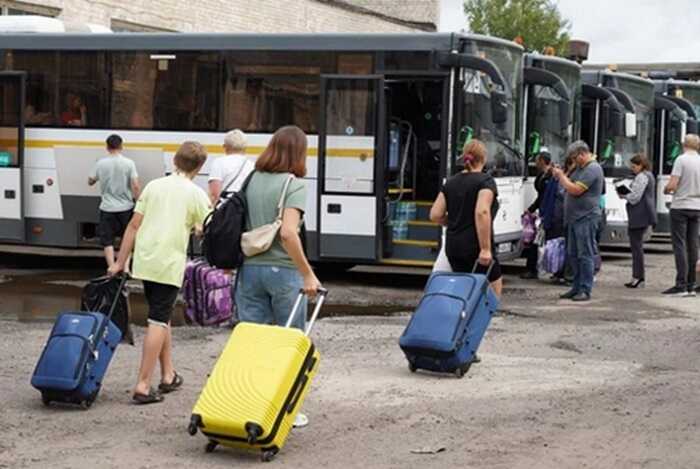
(98, 296)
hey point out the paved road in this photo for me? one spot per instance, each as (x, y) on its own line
(610, 384)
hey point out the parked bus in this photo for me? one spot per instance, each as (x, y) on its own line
(677, 112)
(551, 110)
(617, 121)
(385, 116)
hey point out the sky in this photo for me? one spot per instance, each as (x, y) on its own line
(621, 31)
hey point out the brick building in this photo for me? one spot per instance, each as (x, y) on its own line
(239, 15)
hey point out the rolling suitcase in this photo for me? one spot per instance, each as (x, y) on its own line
(258, 385)
(449, 323)
(207, 294)
(76, 356)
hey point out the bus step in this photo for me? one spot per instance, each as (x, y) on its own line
(423, 230)
(415, 249)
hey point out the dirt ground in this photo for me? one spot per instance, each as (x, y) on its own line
(610, 384)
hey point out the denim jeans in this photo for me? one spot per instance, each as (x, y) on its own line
(684, 236)
(581, 249)
(266, 294)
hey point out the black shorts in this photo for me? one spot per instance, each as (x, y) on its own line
(466, 265)
(161, 300)
(112, 225)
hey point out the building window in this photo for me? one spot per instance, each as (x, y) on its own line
(122, 26)
(21, 8)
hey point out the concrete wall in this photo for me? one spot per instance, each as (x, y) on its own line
(228, 16)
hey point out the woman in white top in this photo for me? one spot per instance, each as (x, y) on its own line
(234, 166)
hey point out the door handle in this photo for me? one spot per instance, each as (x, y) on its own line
(335, 208)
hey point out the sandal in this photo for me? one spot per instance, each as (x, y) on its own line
(177, 381)
(142, 399)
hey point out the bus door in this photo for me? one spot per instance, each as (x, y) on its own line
(12, 89)
(349, 142)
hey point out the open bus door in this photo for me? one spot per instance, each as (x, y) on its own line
(348, 187)
(12, 97)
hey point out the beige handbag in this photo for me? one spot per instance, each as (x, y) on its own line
(260, 239)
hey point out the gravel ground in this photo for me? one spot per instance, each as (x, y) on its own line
(610, 384)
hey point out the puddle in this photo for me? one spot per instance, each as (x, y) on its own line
(41, 298)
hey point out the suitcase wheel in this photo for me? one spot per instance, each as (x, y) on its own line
(412, 368)
(195, 422)
(87, 403)
(211, 446)
(269, 454)
(45, 399)
(462, 370)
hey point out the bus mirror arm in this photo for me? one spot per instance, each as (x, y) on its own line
(472, 62)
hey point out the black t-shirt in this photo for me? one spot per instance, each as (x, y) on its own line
(461, 192)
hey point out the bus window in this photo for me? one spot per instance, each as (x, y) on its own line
(42, 87)
(82, 88)
(165, 92)
(267, 90)
(407, 60)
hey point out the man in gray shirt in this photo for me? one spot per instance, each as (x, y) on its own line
(685, 216)
(119, 186)
(582, 217)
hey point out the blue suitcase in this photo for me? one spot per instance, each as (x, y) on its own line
(449, 323)
(76, 356)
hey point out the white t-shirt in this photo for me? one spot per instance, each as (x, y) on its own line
(687, 169)
(226, 168)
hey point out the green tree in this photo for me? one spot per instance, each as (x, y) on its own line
(537, 22)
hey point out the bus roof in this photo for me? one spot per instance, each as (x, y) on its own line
(245, 41)
(620, 75)
(553, 59)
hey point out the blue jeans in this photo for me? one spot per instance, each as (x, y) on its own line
(581, 249)
(266, 294)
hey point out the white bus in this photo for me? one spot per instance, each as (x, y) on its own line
(385, 114)
(617, 121)
(677, 113)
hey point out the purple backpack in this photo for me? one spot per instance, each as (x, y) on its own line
(207, 292)
(529, 228)
(553, 256)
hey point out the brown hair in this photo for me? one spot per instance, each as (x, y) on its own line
(286, 152)
(474, 153)
(641, 160)
(190, 157)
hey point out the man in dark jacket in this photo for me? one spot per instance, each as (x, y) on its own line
(543, 163)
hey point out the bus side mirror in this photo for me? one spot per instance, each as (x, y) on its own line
(692, 127)
(564, 108)
(630, 124)
(499, 107)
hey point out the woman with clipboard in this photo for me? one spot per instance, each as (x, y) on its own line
(641, 213)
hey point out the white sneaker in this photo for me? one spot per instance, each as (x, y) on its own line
(690, 294)
(301, 420)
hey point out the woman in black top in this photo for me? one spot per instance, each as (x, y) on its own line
(467, 205)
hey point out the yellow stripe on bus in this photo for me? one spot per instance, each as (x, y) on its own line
(360, 153)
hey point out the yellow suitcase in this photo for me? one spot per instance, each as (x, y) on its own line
(258, 386)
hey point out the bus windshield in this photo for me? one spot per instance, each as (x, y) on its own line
(617, 151)
(673, 136)
(692, 94)
(501, 139)
(545, 120)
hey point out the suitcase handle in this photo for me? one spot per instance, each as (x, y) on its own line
(322, 293)
(488, 271)
(101, 330)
